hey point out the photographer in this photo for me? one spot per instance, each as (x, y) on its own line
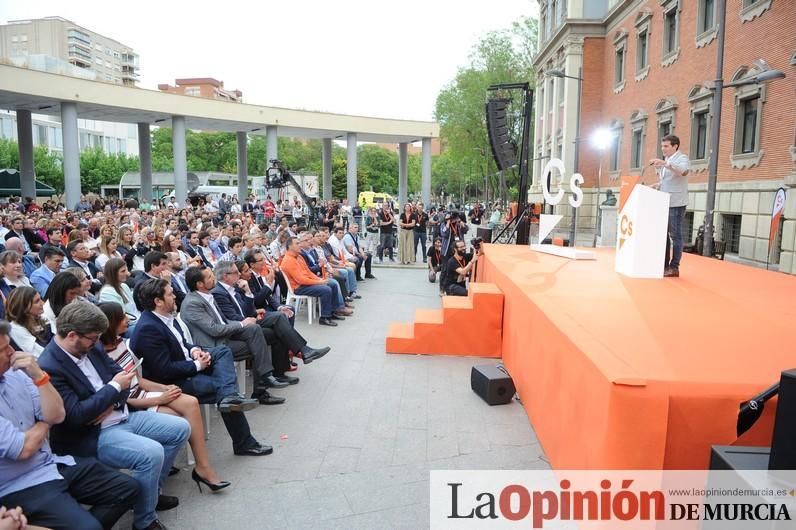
(435, 261)
(451, 229)
(458, 268)
(386, 223)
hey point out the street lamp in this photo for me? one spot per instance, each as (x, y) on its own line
(764, 76)
(601, 140)
(579, 78)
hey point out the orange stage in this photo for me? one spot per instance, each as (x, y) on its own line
(623, 373)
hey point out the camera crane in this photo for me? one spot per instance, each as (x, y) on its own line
(277, 176)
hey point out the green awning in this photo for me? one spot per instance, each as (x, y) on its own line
(9, 185)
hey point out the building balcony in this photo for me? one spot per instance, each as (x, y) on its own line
(79, 36)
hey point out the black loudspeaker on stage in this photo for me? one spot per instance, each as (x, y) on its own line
(492, 383)
(497, 125)
(484, 233)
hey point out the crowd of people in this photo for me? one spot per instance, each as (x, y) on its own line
(120, 319)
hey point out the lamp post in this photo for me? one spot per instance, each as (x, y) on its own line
(715, 127)
(601, 140)
(579, 78)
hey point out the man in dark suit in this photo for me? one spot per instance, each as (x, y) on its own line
(156, 266)
(207, 374)
(234, 299)
(263, 288)
(79, 256)
(194, 249)
(49, 487)
(98, 423)
(209, 327)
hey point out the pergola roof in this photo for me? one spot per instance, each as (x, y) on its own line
(42, 93)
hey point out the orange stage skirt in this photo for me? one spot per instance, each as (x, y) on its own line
(620, 373)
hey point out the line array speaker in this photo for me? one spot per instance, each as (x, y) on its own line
(504, 149)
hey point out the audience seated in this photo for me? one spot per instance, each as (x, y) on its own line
(169, 359)
(24, 310)
(117, 290)
(98, 422)
(63, 290)
(165, 399)
(49, 487)
(12, 265)
(52, 259)
(209, 327)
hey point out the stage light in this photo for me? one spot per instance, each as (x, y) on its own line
(601, 139)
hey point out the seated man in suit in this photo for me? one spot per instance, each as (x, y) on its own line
(170, 360)
(156, 266)
(193, 248)
(263, 288)
(52, 260)
(98, 423)
(233, 296)
(79, 255)
(209, 327)
(48, 487)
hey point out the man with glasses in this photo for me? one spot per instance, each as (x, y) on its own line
(98, 423)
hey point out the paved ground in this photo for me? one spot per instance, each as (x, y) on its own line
(356, 439)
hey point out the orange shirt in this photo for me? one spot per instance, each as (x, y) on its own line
(297, 272)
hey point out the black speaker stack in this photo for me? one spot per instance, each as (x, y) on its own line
(497, 124)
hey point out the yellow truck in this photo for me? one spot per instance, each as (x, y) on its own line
(372, 199)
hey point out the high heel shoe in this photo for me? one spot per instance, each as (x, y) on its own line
(213, 487)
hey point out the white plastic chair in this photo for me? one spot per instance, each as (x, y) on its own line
(296, 300)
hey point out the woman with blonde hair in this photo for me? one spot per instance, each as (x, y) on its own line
(107, 247)
(24, 310)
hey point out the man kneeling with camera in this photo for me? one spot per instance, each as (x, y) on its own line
(458, 268)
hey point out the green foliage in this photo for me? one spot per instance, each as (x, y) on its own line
(504, 56)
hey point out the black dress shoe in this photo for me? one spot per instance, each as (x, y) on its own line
(236, 403)
(370, 277)
(264, 398)
(311, 354)
(173, 471)
(154, 525)
(269, 381)
(360, 279)
(288, 379)
(167, 502)
(335, 316)
(325, 321)
(257, 450)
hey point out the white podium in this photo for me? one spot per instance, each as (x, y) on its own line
(641, 230)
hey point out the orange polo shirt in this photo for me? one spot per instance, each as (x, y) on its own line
(297, 272)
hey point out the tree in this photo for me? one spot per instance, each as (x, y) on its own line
(380, 165)
(503, 56)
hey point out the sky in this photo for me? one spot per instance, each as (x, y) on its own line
(371, 58)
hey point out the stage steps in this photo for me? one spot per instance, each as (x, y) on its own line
(470, 325)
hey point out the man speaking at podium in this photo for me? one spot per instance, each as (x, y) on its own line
(673, 174)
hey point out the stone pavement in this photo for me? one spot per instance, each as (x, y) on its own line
(354, 443)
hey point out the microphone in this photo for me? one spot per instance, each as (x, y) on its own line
(641, 177)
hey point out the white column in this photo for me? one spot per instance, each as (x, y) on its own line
(351, 169)
(402, 173)
(572, 63)
(555, 124)
(271, 149)
(27, 176)
(327, 168)
(71, 154)
(425, 171)
(538, 134)
(180, 159)
(145, 159)
(243, 167)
